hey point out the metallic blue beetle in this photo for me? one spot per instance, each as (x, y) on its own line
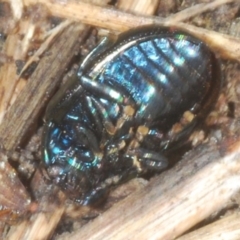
(126, 109)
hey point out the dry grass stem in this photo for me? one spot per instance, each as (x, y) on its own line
(41, 226)
(225, 228)
(136, 6)
(17, 8)
(117, 20)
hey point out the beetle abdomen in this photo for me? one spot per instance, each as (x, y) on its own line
(165, 75)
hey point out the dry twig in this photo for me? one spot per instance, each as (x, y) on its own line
(43, 81)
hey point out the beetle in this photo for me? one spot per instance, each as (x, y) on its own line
(131, 103)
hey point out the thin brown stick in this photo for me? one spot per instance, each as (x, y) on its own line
(109, 17)
(45, 44)
(117, 20)
(105, 17)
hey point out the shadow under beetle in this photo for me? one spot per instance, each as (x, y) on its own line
(132, 101)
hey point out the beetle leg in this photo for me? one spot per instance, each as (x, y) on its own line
(106, 122)
(95, 197)
(87, 137)
(101, 47)
(97, 118)
(102, 118)
(143, 158)
(99, 194)
(153, 160)
(125, 103)
(106, 91)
